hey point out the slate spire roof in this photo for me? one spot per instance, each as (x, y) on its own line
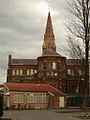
(49, 28)
(49, 39)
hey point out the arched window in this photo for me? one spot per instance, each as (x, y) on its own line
(30, 71)
(69, 71)
(49, 65)
(14, 72)
(54, 65)
(21, 72)
(62, 66)
(17, 72)
(35, 71)
(41, 66)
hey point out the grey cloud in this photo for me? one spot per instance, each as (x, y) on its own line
(22, 28)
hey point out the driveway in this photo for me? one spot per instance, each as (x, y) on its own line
(46, 114)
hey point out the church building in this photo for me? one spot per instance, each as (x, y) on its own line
(49, 68)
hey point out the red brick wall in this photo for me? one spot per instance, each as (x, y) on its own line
(58, 81)
(24, 105)
(52, 80)
(54, 102)
(10, 77)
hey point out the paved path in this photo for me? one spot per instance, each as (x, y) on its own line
(47, 114)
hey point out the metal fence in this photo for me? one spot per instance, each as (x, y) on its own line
(77, 101)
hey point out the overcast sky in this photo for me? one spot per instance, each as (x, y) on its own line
(22, 27)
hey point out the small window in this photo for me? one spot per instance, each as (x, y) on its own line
(48, 73)
(21, 72)
(49, 65)
(14, 72)
(62, 66)
(32, 98)
(44, 98)
(35, 71)
(72, 73)
(55, 74)
(32, 71)
(54, 65)
(28, 72)
(18, 98)
(42, 66)
(17, 72)
(52, 74)
(69, 72)
(80, 72)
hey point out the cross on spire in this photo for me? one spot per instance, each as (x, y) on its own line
(49, 7)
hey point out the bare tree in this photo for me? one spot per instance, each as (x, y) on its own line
(76, 52)
(75, 48)
(79, 30)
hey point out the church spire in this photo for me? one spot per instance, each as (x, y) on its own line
(49, 40)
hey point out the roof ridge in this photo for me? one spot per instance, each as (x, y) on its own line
(22, 59)
(57, 89)
(33, 87)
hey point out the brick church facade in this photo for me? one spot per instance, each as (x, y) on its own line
(49, 68)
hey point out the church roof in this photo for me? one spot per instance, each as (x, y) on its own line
(22, 78)
(52, 54)
(24, 61)
(55, 54)
(24, 87)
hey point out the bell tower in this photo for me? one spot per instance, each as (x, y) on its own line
(49, 39)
